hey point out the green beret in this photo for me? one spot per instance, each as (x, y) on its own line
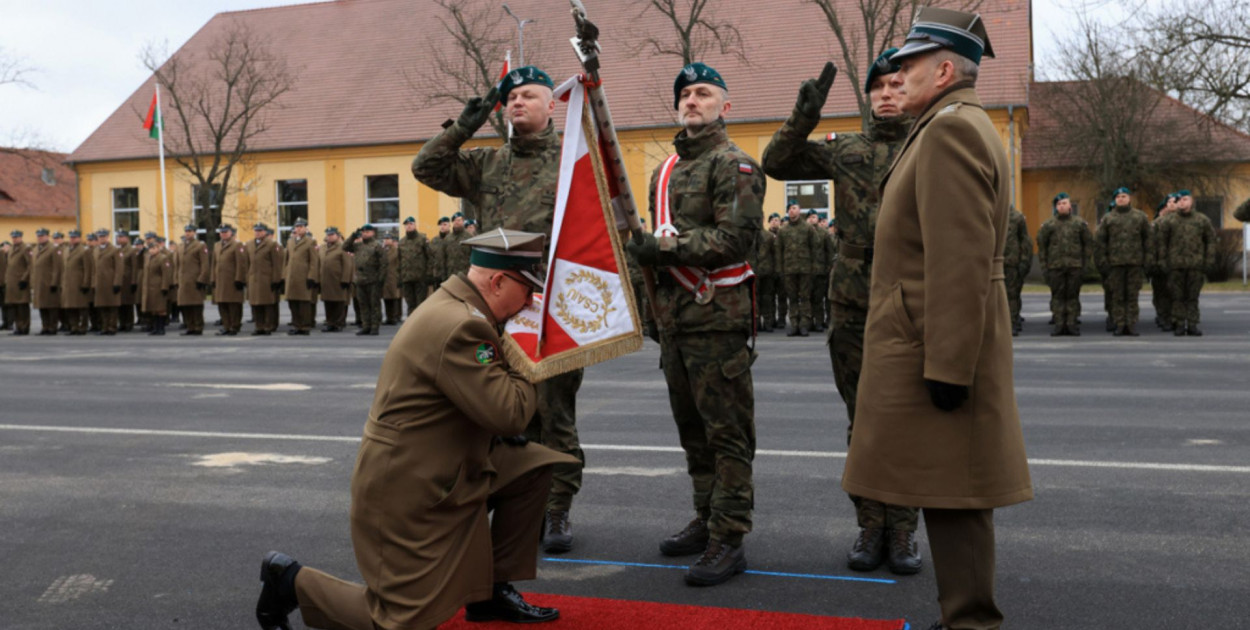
(774, 216)
(1183, 193)
(1122, 190)
(1059, 197)
(409, 220)
(458, 215)
(442, 220)
(882, 66)
(523, 76)
(368, 227)
(696, 73)
(1162, 204)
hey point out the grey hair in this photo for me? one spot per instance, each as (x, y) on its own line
(965, 68)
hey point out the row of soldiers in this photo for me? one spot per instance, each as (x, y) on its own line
(792, 260)
(91, 284)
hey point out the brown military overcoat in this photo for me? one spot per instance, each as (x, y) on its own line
(78, 273)
(45, 275)
(158, 276)
(301, 266)
(265, 262)
(193, 267)
(938, 310)
(110, 269)
(426, 465)
(230, 264)
(133, 260)
(337, 267)
(21, 260)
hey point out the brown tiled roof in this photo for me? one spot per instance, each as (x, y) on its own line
(1209, 141)
(353, 55)
(23, 191)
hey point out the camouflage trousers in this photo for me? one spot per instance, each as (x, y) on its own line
(713, 400)
(1161, 295)
(819, 300)
(370, 311)
(1185, 285)
(798, 295)
(414, 294)
(846, 351)
(1065, 294)
(555, 426)
(1125, 282)
(767, 297)
(1015, 284)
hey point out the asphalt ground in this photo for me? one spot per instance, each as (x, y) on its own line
(127, 499)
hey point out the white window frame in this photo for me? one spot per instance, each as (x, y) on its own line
(828, 184)
(116, 210)
(284, 230)
(381, 227)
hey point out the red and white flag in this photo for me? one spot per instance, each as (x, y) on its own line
(587, 313)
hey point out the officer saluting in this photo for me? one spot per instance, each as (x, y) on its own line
(435, 459)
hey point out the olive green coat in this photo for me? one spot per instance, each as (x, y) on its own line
(265, 262)
(193, 267)
(110, 271)
(78, 273)
(230, 265)
(337, 269)
(302, 264)
(45, 275)
(158, 276)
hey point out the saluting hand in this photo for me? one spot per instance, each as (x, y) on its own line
(477, 110)
(814, 92)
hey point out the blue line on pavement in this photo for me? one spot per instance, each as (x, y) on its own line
(806, 576)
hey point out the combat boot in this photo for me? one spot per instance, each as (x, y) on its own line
(1120, 331)
(558, 532)
(506, 604)
(691, 540)
(1074, 330)
(277, 591)
(1193, 331)
(793, 331)
(719, 562)
(802, 331)
(868, 552)
(1131, 330)
(1179, 329)
(1110, 324)
(904, 553)
(1058, 331)
(1167, 326)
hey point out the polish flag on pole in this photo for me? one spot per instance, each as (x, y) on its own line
(587, 313)
(507, 65)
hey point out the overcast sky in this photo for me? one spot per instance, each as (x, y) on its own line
(85, 55)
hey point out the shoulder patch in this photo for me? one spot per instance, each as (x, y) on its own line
(743, 167)
(831, 137)
(485, 353)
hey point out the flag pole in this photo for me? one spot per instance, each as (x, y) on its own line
(507, 63)
(160, 141)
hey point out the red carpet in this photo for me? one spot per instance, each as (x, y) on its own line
(614, 614)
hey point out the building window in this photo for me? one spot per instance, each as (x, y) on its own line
(199, 217)
(126, 210)
(382, 201)
(292, 205)
(1213, 207)
(811, 195)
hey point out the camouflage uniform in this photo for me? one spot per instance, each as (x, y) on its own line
(1017, 261)
(414, 268)
(796, 241)
(765, 265)
(1186, 251)
(513, 187)
(856, 162)
(1063, 248)
(715, 192)
(820, 278)
(455, 255)
(370, 274)
(438, 258)
(1126, 249)
(639, 287)
(779, 279)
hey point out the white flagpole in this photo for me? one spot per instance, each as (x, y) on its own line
(160, 139)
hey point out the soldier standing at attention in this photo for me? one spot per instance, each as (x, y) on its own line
(46, 281)
(370, 274)
(230, 271)
(91, 314)
(706, 203)
(1064, 246)
(447, 406)
(1159, 295)
(795, 242)
(1126, 250)
(5, 311)
(301, 278)
(456, 257)
(158, 277)
(937, 424)
(17, 280)
(438, 254)
(514, 187)
(1017, 261)
(264, 276)
(392, 295)
(78, 274)
(414, 265)
(779, 285)
(764, 263)
(337, 270)
(1187, 249)
(130, 281)
(194, 274)
(856, 162)
(62, 316)
(820, 272)
(110, 274)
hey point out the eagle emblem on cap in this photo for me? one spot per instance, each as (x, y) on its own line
(691, 73)
(514, 76)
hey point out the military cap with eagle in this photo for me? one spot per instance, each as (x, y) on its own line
(523, 76)
(509, 250)
(696, 73)
(935, 28)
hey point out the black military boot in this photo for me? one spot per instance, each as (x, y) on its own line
(362, 332)
(1058, 331)
(1167, 326)
(1131, 330)
(691, 540)
(802, 331)
(868, 552)
(793, 331)
(557, 532)
(277, 591)
(507, 605)
(1120, 331)
(1179, 329)
(1193, 331)
(719, 562)
(1074, 330)
(1110, 324)
(904, 554)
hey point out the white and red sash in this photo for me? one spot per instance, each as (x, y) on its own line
(698, 281)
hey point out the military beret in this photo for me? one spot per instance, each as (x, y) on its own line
(190, 227)
(792, 202)
(774, 216)
(1122, 190)
(693, 74)
(1183, 193)
(442, 220)
(882, 66)
(1058, 197)
(1163, 204)
(368, 227)
(522, 76)
(332, 230)
(301, 221)
(160, 239)
(41, 232)
(470, 222)
(409, 220)
(959, 32)
(509, 250)
(390, 236)
(15, 233)
(458, 215)
(74, 233)
(57, 234)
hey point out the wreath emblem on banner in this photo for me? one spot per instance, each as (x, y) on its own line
(592, 294)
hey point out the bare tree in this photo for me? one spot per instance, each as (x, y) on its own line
(697, 31)
(13, 69)
(14, 72)
(214, 105)
(470, 67)
(866, 28)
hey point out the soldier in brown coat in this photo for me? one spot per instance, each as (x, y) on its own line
(133, 260)
(392, 298)
(441, 450)
(337, 269)
(45, 281)
(78, 273)
(937, 425)
(17, 283)
(110, 269)
(303, 274)
(92, 314)
(158, 277)
(264, 278)
(194, 273)
(5, 310)
(230, 265)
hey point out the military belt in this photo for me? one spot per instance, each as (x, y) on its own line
(855, 252)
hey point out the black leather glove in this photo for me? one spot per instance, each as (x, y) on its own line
(85, 290)
(201, 286)
(945, 396)
(478, 110)
(22, 285)
(164, 292)
(239, 286)
(513, 440)
(814, 92)
(52, 289)
(344, 285)
(275, 286)
(311, 284)
(645, 248)
(117, 288)
(134, 288)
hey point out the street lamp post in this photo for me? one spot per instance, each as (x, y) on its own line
(520, 33)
